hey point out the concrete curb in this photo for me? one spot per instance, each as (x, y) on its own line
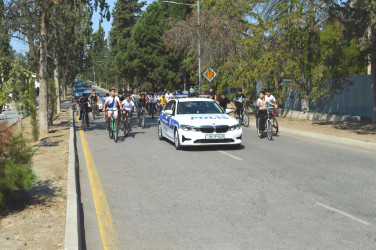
(72, 224)
(326, 138)
(316, 116)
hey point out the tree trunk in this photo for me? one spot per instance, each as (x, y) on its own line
(373, 75)
(57, 82)
(43, 76)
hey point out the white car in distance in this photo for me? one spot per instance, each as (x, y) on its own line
(198, 122)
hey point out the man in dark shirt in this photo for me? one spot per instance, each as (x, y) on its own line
(239, 100)
(223, 101)
(212, 94)
(84, 104)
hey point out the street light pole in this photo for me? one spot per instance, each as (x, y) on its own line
(198, 38)
(199, 47)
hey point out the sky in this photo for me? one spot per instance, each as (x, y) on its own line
(22, 47)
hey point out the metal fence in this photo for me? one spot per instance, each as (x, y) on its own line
(354, 99)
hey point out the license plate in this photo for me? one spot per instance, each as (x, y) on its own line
(214, 137)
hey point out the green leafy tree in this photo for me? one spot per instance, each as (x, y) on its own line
(146, 57)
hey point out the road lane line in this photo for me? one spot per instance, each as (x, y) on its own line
(230, 155)
(343, 213)
(106, 227)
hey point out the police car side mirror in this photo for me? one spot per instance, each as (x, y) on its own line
(169, 112)
(228, 111)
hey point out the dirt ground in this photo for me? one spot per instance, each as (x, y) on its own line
(364, 131)
(38, 221)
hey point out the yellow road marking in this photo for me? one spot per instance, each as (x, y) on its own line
(106, 227)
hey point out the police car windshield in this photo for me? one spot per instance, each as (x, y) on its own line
(199, 107)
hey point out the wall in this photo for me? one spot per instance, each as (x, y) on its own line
(354, 99)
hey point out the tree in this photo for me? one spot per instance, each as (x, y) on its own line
(33, 19)
(358, 16)
(146, 57)
(125, 16)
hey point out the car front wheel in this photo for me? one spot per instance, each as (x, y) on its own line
(177, 140)
(160, 132)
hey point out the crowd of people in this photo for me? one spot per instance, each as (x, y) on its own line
(124, 103)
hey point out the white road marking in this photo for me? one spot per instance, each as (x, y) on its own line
(230, 155)
(343, 213)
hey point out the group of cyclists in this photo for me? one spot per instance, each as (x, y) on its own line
(125, 103)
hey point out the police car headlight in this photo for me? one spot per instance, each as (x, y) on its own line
(235, 127)
(189, 128)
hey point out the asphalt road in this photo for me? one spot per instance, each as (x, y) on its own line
(289, 193)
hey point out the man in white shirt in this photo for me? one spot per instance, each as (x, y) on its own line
(191, 90)
(128, 106)
(169, 95)
(269, 98)
(111, 106)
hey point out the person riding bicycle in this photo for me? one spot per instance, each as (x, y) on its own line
(128, 106)
(169, 95)
(110, 106)
(152, 101)
(163, 100)
(94, 97)
(223, 101)
(142, 102)
(271, 99)
(262, 105)
(239, 100)
(83, 103)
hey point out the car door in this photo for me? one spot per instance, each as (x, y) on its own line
(170, 118)
(166, 119)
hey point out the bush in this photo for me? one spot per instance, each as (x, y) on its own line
(16, 174)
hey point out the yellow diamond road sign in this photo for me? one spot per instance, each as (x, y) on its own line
(210, 74)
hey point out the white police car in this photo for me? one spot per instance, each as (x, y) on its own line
(197, 122)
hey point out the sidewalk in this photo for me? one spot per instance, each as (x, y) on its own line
(358, 134)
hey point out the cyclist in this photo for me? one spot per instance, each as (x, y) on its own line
(128, 106)
(110, 106)
(83, 103)
(223, 101)
(262, 105)
(142, 102)
(152, 100)
(135, 97)
(212, 95)
(94, 97)
(271, 99)
(163, 100)
(239, 100)
(169, 95)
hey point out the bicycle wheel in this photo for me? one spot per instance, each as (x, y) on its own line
(259, 133)
(269, 129)
(93, 112)
(83, 121)
(116, 132)
(245, 119)
(111, 131)
(126, 127)
(143, 121)
(275, 126)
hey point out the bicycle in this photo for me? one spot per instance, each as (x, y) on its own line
(94, 109)
(142, 117)
(84, 117)
(114, 128)
(243, 117)
(127, 123)
(152, 110)
(271, 124)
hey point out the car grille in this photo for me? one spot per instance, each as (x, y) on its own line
(213, 141)
(221, 129)
(212, 129)
(207, 129)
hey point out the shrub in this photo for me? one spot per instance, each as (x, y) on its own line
(16, 174)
